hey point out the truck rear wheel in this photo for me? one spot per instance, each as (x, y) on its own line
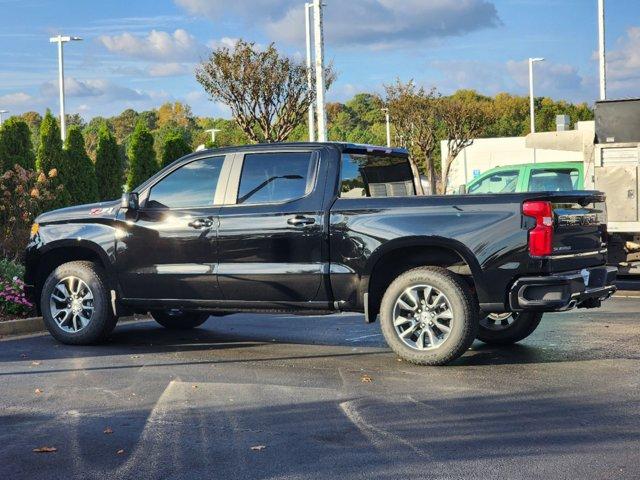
(507, 328)
(429, 316)
(178, 320)
(75, 304)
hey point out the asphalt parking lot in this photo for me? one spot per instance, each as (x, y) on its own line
(255, 397)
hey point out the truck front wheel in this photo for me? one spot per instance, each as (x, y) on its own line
(507, 328)
(429, 316)
(178, 320)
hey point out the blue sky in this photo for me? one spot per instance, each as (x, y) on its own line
(141, 53)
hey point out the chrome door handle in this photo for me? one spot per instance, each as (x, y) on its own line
(301, 220)
(201, 223)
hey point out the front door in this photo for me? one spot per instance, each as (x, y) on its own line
(271, 228)
(168, 248)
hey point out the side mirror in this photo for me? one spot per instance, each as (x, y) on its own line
(462, 190)
(129, 201)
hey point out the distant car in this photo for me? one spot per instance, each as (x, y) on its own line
(530, 177)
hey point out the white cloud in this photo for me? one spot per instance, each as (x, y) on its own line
(376, 23)
(94, 88)
(170, 69)
(15, 99)
(623, 65)
(179, 46)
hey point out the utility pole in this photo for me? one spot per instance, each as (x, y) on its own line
(388, 119)
(532, 109)
(602, 51)
(312, 115)
(59, 39)
(2, 112)
(320, 80)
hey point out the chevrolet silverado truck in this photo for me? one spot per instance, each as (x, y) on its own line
(320, 228)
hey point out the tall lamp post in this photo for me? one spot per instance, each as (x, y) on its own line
(2, 112)
(312, 116)
(602, 51)
(388, 119)
(320, 73)
(531, 98)
(213, 132)
(60, 40)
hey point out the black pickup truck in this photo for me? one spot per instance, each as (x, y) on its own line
(315, 228)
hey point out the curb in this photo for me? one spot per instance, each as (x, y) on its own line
(23, 326)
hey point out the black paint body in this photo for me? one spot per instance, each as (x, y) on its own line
(252, 257)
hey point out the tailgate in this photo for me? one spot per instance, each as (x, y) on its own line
(579, 230)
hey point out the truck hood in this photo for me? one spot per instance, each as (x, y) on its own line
(91, 211)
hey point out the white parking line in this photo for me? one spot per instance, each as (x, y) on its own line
(363, 336)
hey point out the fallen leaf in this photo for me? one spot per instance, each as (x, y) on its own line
(194, 386)
(107, 431)
(366, 379)
(258, 448)
(35, 363)
(38, 391)
(45, 450)
(120, 451)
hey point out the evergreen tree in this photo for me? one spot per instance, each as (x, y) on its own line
(78, 173)
(50, 158)
(109, 166)
(174, 147)
(142, 157)
(15, 145)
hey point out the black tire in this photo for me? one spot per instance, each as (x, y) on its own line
(101, 320)
(463, 307)
(508, 330)
(176, 320)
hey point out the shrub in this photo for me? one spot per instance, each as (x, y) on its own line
(15, 145)
(13, 302)
(51, 157)
(109, 166)
(79, 174)
(174, 147)
(24, 194)
(142, 157)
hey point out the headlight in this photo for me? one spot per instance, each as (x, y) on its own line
(35, 228)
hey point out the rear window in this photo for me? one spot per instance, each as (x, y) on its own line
(545, 180)
(375, 175)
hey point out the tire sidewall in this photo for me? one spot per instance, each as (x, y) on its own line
(521, 328)
(102, 321)
(464, 322)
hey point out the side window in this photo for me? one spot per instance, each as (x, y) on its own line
(375, 175)
(276, 177)
(192, 185)
(546, 180)
(499, 182)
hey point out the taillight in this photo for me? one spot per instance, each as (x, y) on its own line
(541, 236)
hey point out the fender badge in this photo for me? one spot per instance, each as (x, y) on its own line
(585, 276)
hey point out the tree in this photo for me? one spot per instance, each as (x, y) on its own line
(463, 119)
(79, 174)
(173, 147)
(109, 166)
(50, 158)
(15, 145)
(176, 113)
(415, 117)
(142, 157)
(267, 93)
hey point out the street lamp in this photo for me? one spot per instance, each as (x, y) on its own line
(213, 132)
(320, 73)
(531, 104)
(60, 39)
(388, 119)
(2, 112)
(312, 117)
(602, 51)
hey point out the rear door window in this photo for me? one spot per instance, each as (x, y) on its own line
(376, 175)
(499, 182)
(548, 180)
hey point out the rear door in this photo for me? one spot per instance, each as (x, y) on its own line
(272, 227)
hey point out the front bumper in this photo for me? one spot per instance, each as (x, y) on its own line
(585, 288)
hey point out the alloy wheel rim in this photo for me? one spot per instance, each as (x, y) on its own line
(499, 321)
(422, 317)
(71, 304)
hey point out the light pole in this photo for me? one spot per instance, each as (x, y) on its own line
(320, 80)
(602, 51)
(388, 119)
(312, 115)
(213, 132)
(60, 39)
(531, 98)
(2, 112)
